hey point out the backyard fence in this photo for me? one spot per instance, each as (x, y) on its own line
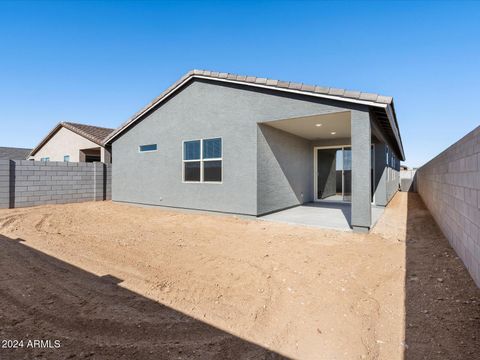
(450, 187)
(29, 183)
(407, 180)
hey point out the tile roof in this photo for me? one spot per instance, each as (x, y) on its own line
(95, 134)
(314, 90)
(343, 93)
(11, 153)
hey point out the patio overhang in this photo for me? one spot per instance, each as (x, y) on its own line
(326, 127)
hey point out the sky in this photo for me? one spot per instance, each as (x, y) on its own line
(99, 62)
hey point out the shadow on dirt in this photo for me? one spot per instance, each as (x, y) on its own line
(44, 298)
(442, 302)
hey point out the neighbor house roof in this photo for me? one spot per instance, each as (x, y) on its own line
(365, 98)
(11, 153)
(95, 134)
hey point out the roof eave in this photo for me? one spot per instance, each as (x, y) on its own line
(390, 111)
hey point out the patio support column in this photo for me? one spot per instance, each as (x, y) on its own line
(361, 164)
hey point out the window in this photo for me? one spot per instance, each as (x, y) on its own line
(146, 148)
(66, 158)
(202, 160)
(89, 158)
(45, 159)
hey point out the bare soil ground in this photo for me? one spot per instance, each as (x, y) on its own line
(114, 281)
(442, 307)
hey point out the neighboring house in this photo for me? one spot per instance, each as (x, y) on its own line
(75, 143)
(11, 153)
(241, 144)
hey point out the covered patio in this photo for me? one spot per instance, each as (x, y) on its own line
(334, 169)
(326, 161)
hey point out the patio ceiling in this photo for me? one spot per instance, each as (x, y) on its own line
(317, 127)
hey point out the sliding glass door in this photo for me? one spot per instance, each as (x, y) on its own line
(334, 174)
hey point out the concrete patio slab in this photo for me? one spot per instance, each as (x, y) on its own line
(322, 215)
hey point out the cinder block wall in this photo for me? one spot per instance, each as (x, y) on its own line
(108, 174)
(29, 183)
(450, 187)
(4, 184)
(407, 180)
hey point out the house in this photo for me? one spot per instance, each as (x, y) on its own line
(75, 143)
(11, 153)
(247, 145)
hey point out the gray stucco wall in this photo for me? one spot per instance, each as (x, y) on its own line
(387, 176)
(361, 170)
(450, 187)
(29, 183)
(380, 175)
(284, 170)
(205, 110)
(393, 179)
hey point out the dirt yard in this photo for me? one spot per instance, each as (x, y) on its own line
(114, 281)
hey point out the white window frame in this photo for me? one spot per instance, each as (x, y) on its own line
(202, 161)
(146, 151)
